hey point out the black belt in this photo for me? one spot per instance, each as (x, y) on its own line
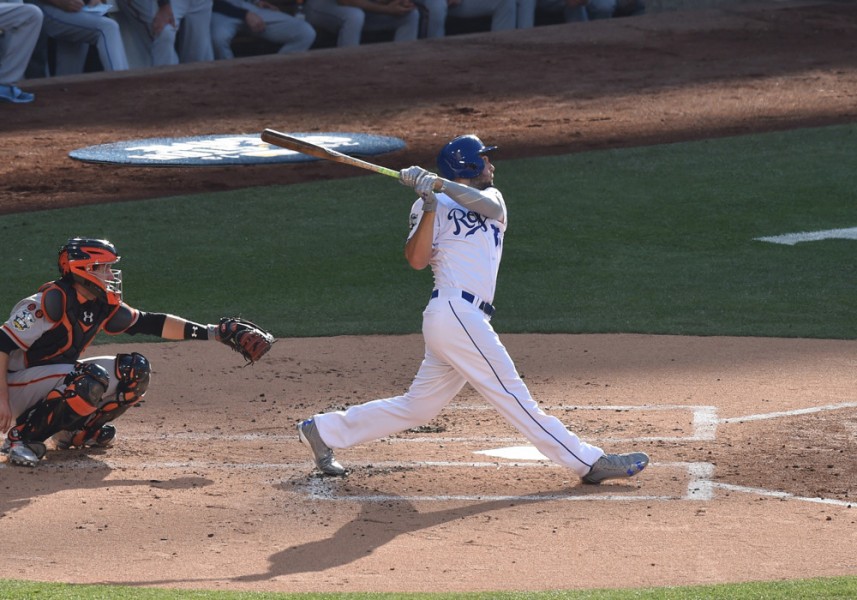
(483, 306)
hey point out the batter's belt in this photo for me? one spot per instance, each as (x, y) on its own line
(485, 307)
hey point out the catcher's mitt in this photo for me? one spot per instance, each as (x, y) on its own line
(245, 337)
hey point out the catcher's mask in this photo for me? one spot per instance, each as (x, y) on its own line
(88, 262)
(462, 157)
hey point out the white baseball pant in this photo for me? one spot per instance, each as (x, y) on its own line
(461, 347)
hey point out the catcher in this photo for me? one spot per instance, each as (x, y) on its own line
(46, 391)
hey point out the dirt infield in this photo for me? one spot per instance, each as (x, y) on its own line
(752, 440)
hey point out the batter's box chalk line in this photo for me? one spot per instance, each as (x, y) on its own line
(700, 486)
(703, 428)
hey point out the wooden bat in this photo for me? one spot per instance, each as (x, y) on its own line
(292, 143)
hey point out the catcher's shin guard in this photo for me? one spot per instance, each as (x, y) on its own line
(133, 372)
(63, 409)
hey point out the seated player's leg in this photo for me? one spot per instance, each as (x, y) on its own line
(65, 407)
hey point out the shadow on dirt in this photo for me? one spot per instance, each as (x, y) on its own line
(71, 470)
(379, 523)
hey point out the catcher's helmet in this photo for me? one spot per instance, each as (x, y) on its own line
(462, 157)
(87, 261)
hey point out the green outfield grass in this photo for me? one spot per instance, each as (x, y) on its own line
(649, 240)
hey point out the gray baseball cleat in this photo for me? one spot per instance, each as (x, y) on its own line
(24, 454)
(38, 447)
(616, 466)
(324, 460)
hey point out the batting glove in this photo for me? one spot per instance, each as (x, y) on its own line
(426, 183)
(409, 176)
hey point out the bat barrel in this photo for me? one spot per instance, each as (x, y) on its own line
(304, 147)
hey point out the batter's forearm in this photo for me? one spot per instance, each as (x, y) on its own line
(474, 199)
(418, 248)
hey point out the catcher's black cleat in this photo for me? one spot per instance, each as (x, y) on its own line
(324, 460)
(616, 466)
(103, 437)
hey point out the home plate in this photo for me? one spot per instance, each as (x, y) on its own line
(515, 453)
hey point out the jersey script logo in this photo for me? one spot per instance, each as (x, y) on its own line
(471, 222)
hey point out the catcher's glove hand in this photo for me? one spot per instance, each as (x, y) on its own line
(245, 337)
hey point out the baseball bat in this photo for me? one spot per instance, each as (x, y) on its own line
(292, 143)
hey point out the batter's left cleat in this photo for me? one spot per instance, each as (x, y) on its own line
(616, 466)
(323, 455)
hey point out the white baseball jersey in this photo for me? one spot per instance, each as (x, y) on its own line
(467, 247)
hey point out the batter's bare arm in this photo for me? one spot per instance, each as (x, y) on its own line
(419, 246)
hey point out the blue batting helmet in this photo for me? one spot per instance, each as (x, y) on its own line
(462, 157)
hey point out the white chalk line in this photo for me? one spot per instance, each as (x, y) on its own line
(704, 427)
(782, 495)
(790, 239)
(789, 413)
(701, 487)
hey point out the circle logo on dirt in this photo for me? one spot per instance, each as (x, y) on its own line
(221, 150)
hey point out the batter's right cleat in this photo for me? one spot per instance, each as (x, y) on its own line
(324, 460)
(616, 466)
(24, 454)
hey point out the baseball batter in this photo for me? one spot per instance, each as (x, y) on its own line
(457, 226)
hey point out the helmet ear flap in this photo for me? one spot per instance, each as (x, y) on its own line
(62, 263)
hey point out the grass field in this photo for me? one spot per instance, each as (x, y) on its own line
(651, 240)
(648, 240)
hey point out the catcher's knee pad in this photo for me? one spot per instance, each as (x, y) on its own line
(64, 409)
(133, 373)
